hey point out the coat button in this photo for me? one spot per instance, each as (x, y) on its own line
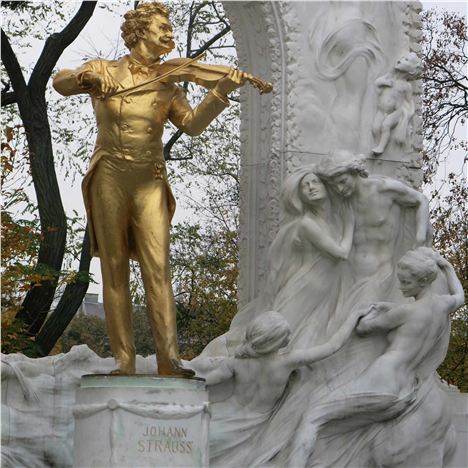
(149, 130)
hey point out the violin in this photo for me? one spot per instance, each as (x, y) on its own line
(184, 69)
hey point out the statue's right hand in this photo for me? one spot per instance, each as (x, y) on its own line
(101, 84)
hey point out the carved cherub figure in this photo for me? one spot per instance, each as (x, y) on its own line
(395, 107)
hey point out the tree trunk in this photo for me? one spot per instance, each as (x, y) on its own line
(69, 303)
(32, 106)
(39, 299)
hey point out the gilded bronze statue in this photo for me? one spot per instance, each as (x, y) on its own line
(128, 199)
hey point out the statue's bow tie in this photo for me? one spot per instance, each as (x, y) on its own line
(136, 67)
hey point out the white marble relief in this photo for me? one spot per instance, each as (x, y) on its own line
(142, 420)
(239, 420)
(345, 57)
(336, 253)
(401, 381)
(37, 402)
(395, 106)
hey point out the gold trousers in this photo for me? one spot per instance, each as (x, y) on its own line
(130, 213)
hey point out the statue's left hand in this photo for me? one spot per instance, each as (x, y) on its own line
(233, 80)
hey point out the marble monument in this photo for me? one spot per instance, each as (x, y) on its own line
(344, 307)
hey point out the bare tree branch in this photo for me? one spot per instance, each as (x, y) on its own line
(8, 98)
(57, 43)
(172, 141)
(207, 44)
(13, 69)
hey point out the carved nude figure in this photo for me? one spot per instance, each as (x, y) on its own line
(259, 357)
(412, 328)
(378, 203)
(305, 262)
(402, 374)
(395, 103)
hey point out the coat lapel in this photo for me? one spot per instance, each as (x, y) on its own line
(120, 73)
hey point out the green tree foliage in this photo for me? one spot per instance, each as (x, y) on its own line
(450, 221)
(205, 273)
(91, 330)
(25, 107)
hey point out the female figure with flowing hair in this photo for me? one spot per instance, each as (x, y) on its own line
(303, 284)
(304, 265)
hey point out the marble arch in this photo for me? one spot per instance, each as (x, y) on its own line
(282, 131)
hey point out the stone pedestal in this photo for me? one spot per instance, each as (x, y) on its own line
(144, 421)
(459, 405)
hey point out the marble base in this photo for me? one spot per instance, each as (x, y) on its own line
(458, 403)
(144, 421)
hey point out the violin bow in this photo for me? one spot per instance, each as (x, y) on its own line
(263, 87)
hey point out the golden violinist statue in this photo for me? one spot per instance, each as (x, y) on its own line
(128, 200)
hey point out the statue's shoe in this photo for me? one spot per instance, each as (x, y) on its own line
(176, 370)
(123, 371)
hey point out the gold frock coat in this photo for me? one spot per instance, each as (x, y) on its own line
(130, 125)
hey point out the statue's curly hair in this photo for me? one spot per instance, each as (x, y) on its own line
(341, 162)
(137, 21)
(269, 332)
(422, 263)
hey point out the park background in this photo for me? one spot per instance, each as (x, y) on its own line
(204, 173)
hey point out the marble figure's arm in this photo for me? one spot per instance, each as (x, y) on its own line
(382, 82)
(315, 234)
(383, 316)
(224, 372)
(456, 297)
(336, 342)
(409, 197)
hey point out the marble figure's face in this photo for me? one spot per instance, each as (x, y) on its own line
(409, 284)
(408, 64)
(344, 184)
(312, 188)
(159, 36)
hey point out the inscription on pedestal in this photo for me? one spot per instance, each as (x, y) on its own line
(165, 439)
